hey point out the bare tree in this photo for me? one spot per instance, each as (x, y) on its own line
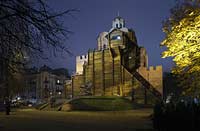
(27, 29)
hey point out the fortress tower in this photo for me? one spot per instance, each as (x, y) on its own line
(117, 67)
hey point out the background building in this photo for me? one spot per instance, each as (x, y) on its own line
(117, 67)
(45, 82)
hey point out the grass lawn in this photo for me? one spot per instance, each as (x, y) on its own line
(100, 103)
(33, 120)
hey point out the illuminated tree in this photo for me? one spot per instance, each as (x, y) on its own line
(182, 41)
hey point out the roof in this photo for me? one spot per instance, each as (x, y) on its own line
(118, 17)
(45, 68)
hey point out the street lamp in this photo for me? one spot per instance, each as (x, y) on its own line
(59, 93)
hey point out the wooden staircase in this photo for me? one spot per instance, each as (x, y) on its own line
(147, 85)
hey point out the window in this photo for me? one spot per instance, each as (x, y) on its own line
(116, 37)
(120, 25)
(119, 37)
(116, 25)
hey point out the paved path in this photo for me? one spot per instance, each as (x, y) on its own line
(32, 120)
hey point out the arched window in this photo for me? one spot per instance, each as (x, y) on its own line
(116, 25)
(120, 25)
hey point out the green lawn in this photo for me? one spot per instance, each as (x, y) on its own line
(101, 103)
(33, 120)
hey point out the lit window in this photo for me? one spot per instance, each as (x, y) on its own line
(116, 37)
(119, 37)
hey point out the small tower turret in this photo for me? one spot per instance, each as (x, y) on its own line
(118, 22)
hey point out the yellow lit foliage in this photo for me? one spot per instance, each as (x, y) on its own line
(183, 43)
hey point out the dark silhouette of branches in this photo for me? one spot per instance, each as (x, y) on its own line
(28, 28)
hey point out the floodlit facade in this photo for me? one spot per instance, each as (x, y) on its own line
(109, 68)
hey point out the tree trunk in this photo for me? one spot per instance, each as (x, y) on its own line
(6, 96)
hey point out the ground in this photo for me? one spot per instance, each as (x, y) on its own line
(33, 120)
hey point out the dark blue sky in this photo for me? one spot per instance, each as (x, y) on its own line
(95, 16)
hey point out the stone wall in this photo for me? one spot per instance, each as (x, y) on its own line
(80, 60)
(77, 82)
(154, 76)
(105, 72)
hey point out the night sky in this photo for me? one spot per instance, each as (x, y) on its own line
(143, 16)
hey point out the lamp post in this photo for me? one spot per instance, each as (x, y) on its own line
(59, 92)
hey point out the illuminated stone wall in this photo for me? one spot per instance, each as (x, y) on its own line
(77, 82)
(106, 73)
(80, 60)
(154, 75)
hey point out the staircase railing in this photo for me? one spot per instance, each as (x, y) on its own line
(147, 85)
